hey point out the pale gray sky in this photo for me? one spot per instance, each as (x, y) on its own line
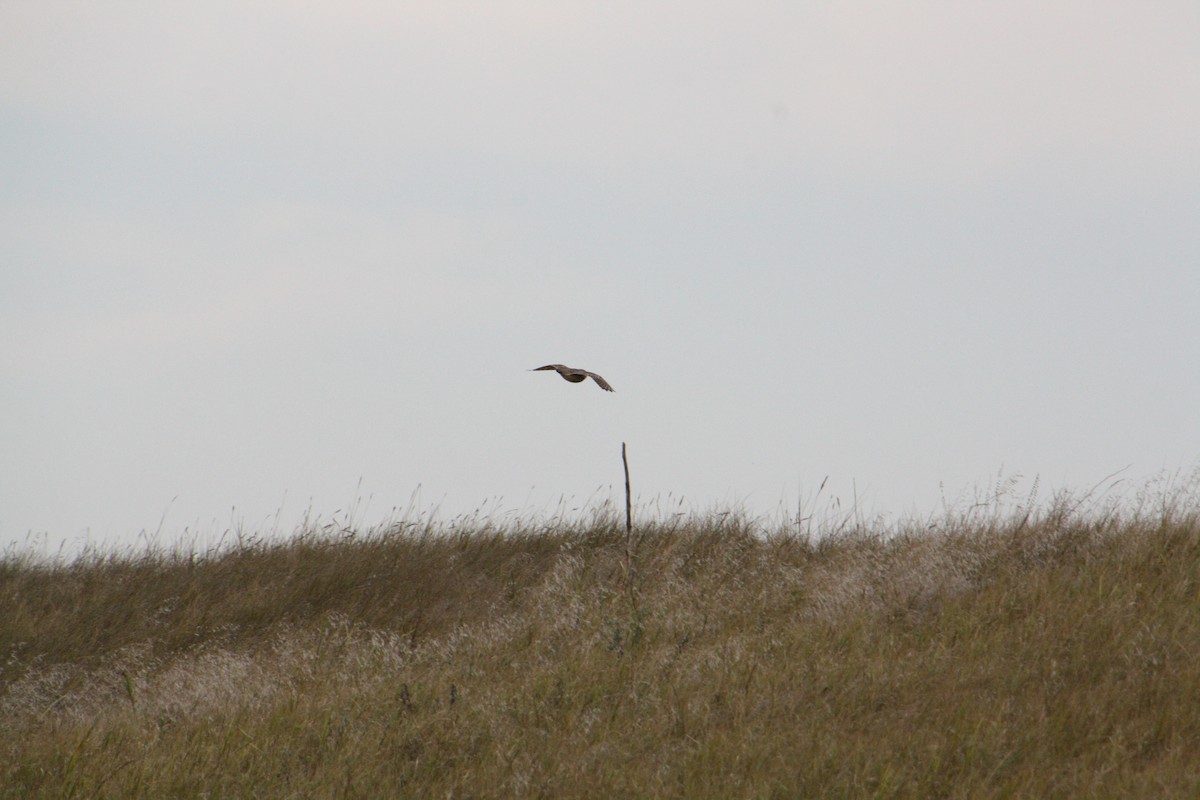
(260, 258)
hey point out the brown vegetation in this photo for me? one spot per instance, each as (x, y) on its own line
(1044, 654)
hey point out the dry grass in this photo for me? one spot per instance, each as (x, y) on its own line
(1049, 654)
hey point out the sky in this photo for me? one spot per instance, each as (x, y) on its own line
(273, 261)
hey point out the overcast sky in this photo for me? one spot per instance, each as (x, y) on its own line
(259, 259)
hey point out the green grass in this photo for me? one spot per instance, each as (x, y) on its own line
(1048, 654)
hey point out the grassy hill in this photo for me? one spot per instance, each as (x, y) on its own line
(1045, 654)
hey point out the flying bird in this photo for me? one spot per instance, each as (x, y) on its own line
(576, 375)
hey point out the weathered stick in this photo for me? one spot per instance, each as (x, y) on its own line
(630, 564)
(628, 503)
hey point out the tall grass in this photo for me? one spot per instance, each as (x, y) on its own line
(1046, 651)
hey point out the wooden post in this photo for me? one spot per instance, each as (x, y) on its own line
(628, 502)
(630, 564)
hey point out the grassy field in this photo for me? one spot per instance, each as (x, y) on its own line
(1029, 653)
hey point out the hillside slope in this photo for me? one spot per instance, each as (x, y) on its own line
(1038, 656)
